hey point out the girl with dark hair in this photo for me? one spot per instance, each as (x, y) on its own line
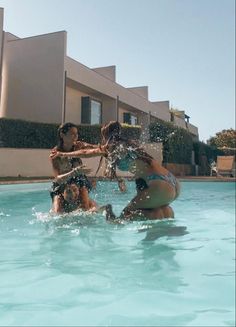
(156, 186)
(114, 131)
(71, 199)
(67, 167)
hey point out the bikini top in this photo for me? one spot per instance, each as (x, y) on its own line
(124, 163)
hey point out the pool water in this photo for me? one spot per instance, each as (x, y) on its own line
(81, 271)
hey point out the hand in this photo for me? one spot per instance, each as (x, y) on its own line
(81, 170)
(54, 154)
(104, 148)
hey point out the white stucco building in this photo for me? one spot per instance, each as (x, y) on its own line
(40, 83)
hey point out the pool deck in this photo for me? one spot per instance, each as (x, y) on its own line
(28, 180)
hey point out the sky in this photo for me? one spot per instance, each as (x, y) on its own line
(183, 50)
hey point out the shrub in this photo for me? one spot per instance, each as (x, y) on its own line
(177, 142)
(201, 149)
(23, 134)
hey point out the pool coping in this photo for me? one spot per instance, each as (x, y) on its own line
(28, 180)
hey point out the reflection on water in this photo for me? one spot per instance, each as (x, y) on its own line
(163, 229)
(77, 269)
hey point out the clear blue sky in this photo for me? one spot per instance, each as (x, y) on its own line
(184, 50)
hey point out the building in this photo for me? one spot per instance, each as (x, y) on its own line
(40, 83)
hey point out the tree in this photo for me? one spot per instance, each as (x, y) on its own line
(224, 139)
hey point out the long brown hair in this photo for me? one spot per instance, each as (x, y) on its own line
(64, 128)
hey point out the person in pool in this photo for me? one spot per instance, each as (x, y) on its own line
(104, 137)
(66, 167)
(156, 186)
(72, 198)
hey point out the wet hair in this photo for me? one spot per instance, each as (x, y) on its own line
(111, 134)
(64, 128)
(110, 130)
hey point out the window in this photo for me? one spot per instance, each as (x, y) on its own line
(130, 119)
(96, 110)
(134, 120)
(91, 111)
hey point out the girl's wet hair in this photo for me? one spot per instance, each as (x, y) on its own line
(111, 134)
(64, 128)
(110, 130)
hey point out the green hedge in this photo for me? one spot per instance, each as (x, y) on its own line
(23, 134)
(177, 142)
(201, 149)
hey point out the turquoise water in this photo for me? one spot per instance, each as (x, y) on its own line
(81, 271)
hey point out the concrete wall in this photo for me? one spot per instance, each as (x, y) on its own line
(1, 48)
(1, 31)
(36, 163)
(97, 82)
(180, 122)
(192, 129)
(109, 111)
(33, 78)
(163, 108)
(140, 90)
(73, 105)
(108, 72)
(24, 162)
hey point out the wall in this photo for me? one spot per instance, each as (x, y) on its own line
(36, 163)
(108, 72)
(1, 46)
(73, 105)
(163, 106)
(192, 129)
(95, 81)
(180, 122)
(33, 78)
(109, 111)
(24, 162)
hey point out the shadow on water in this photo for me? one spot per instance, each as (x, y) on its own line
(157, 230)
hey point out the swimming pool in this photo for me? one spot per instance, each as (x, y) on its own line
(82, 271)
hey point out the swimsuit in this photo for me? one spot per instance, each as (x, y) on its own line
(141, 184)
(124, 164)
(169, 178)
(80, 180)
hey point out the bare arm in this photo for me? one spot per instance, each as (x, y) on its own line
(62, 178)
(86, 153)
(57, 204)
(79, 145)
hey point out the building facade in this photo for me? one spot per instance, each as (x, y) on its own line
(40, 83)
